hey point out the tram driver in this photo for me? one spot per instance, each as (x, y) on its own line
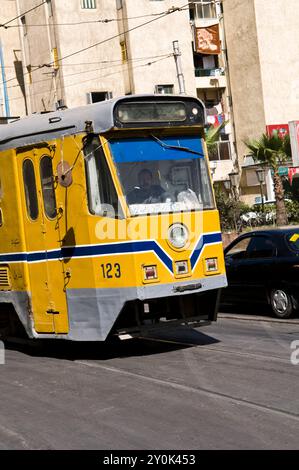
(146, 192)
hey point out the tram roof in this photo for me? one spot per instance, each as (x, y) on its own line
(42, 127)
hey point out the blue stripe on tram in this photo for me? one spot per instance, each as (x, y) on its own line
(114, 248)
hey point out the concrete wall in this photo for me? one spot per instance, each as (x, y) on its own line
(156, 39)
(9, 39)
(263, 53)
(36, 53)
(245, 72)
(100, 67)
(278, 41)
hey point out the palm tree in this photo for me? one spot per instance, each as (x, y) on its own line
(272, 151)
(212, 136)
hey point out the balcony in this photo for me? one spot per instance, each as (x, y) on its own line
(204, 10)
(209, 72)
(210, 78)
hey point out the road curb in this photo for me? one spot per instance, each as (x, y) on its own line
(235, 316)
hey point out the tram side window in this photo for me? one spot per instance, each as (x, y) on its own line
(102, 196)
(46, 174)
(30, 189)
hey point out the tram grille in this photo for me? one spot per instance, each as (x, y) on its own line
(5, 283)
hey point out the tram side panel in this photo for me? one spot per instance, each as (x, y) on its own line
(14, 278)
(90, 281)
(76, 259)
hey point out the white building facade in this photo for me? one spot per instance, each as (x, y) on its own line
(263, 54)
(76, 52)
(12, 87)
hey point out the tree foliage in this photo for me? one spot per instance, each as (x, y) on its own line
(272, 151)
(212, 137)
(230, 210)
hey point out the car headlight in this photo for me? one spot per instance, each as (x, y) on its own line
(178, 235)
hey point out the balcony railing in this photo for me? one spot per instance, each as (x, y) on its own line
(220, 151)
(209, 72)
(205, 10)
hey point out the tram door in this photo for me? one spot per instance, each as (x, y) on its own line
(43, 242)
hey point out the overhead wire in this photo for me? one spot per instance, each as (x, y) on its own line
(168, 12)
(78, 23)
(121, 64)
(163, 15)
(22, 14)
(94, 78)
(97, 62)
(105, 20)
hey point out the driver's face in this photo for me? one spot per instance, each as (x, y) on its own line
(145, 180)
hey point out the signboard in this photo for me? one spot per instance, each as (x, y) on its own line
(281, 129)
(292, 172)
(292, 128)
(282, 171)
(294, 135)
(207, 40)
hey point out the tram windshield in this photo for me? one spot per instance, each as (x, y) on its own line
(161, 175)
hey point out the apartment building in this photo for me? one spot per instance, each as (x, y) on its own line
(241, 57)
(12, 87)
(52, 35)
(262, 39)
(212, 81)
(125, 48)
(77, 52)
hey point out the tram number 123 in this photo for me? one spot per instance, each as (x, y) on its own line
(110, 271)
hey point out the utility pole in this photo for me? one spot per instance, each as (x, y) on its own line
(177, 57)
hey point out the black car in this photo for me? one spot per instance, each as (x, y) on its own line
(263, 266)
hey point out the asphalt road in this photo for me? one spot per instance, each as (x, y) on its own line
(230, 385)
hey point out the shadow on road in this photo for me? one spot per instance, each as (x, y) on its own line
(159, 343)
(249, 308)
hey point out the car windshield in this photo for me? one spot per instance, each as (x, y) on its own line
(163, 175)
(293, 240)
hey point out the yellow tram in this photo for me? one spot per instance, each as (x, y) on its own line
(108, 222)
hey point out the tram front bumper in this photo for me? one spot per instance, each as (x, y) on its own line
(94, 313)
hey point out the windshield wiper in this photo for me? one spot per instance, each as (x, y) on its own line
(176, 147)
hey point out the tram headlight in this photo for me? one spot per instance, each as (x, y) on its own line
(178, 235)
